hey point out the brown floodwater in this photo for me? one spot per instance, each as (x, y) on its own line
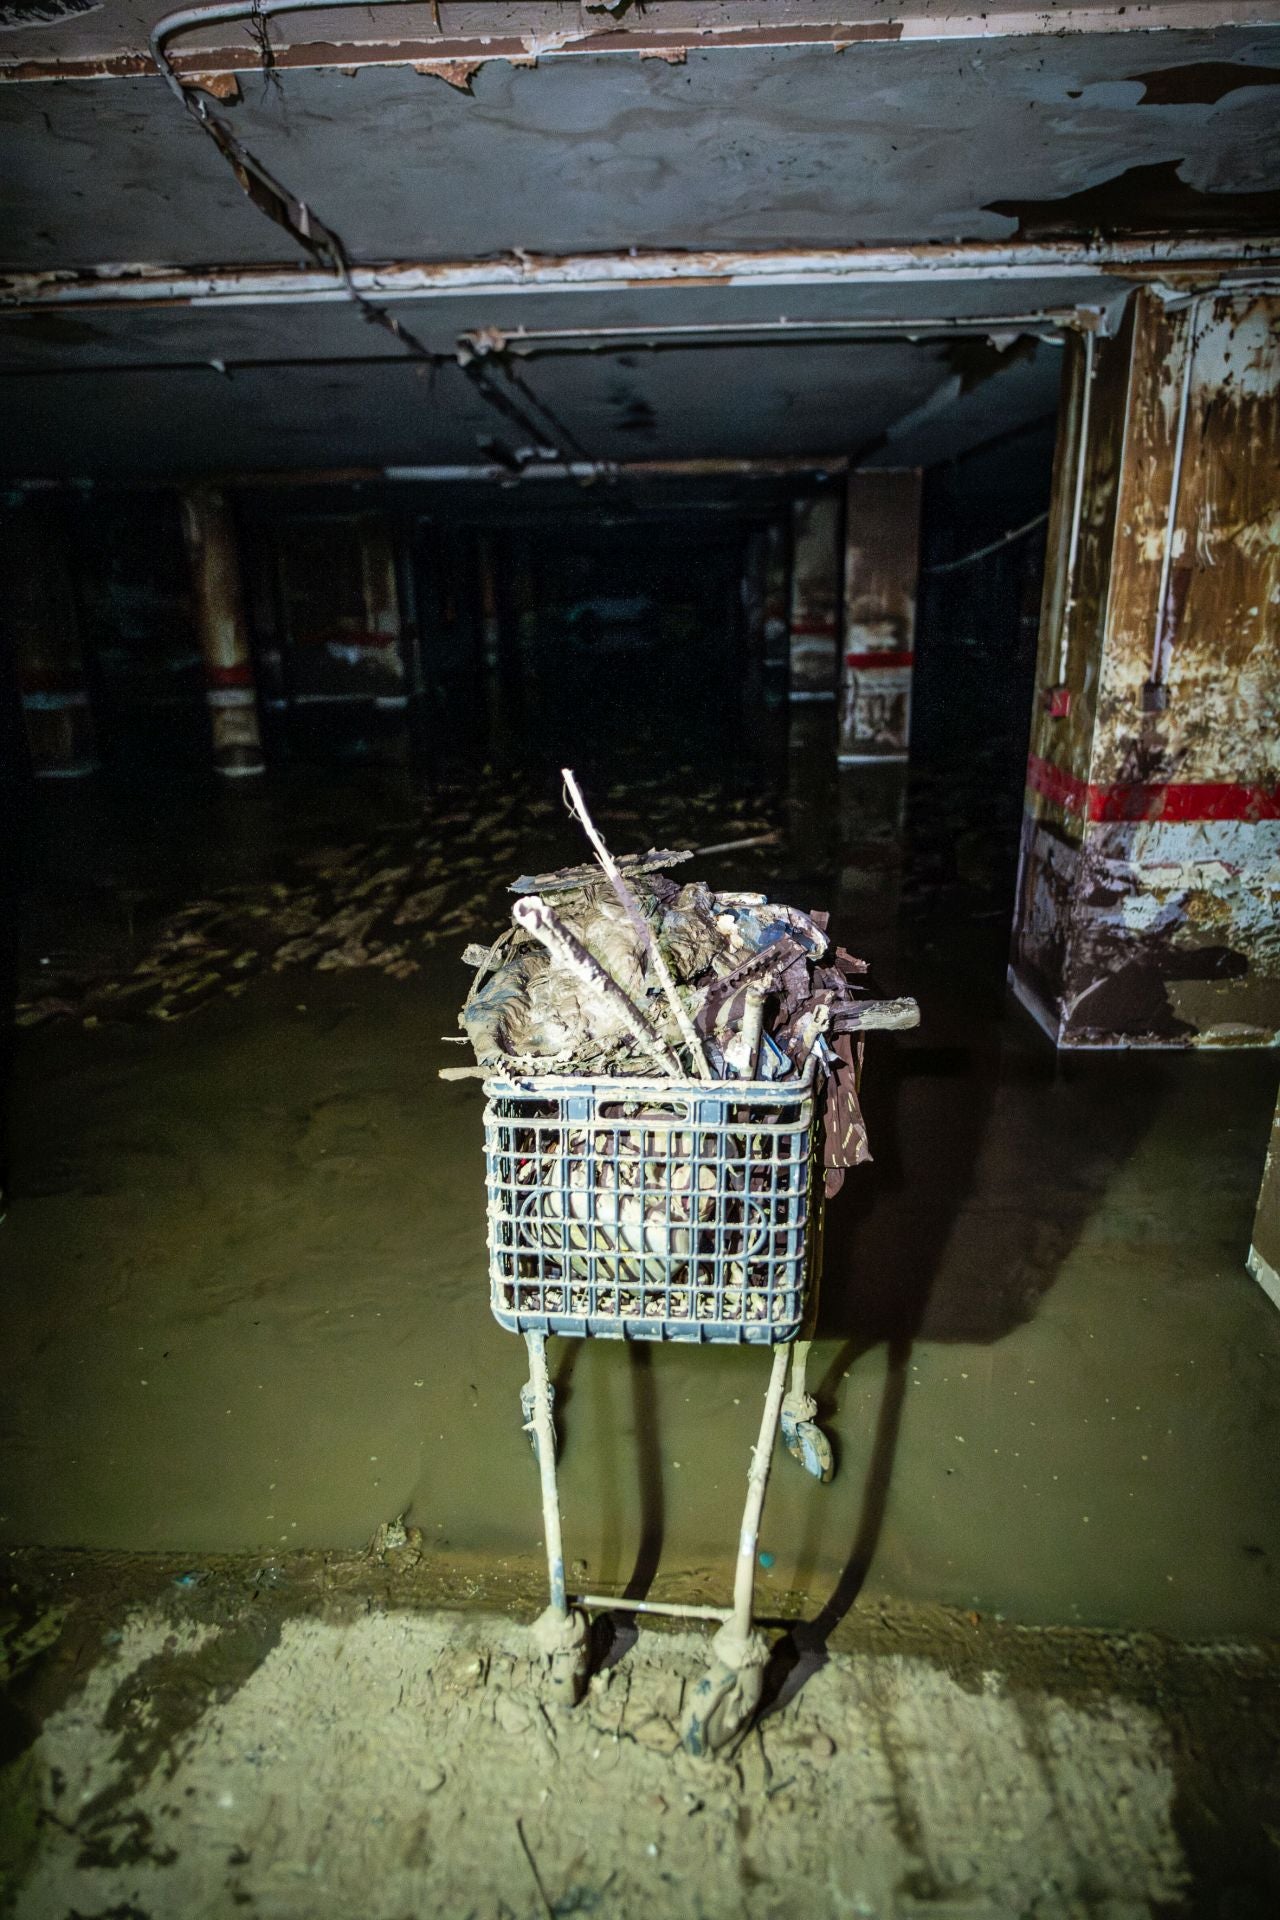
(245, 1300)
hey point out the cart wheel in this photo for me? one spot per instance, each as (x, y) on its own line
(527, 1403)
(720, 1706)
(564, 1641)
(570, 1671)
(805, 1441)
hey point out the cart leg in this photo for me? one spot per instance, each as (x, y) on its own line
(724, 1700)
(802, 1437)
(527, 1403)
(560, 1633)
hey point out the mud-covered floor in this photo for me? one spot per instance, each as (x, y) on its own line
(315, 1735)
(244, 1314)
(245, 1296)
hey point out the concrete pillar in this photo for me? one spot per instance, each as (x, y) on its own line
(1264, 1249)
(383, 627)
(881, 567)
(777, 612)
(490, 611)
(1150, 862)
(223, 630)
(816, 563)
(408, 549)
(41, 615)
(753, 589)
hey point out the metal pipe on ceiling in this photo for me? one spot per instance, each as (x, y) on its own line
(1243, 263)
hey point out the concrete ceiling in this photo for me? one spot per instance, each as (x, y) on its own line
(733, 402)
(775, 146)
(975, 136)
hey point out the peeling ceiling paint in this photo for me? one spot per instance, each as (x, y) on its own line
(922, 141)
(770, 147)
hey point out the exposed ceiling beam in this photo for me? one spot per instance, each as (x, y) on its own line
(1199, 259)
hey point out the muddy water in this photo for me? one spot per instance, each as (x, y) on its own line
(245, 1302)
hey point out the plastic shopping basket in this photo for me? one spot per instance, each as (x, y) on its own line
(652, 1209)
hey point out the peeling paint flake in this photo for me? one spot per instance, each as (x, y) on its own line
(455, 73)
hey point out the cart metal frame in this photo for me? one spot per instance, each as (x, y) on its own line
(660, 1209)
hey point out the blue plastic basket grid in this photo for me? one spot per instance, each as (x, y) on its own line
(650, 1209)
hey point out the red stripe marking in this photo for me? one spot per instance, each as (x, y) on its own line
(880, 657)
(238, 676)
(814, 629)
(1152, 799)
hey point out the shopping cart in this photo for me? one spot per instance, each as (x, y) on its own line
(660, 1209)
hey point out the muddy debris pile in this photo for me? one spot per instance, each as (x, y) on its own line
(617, 968)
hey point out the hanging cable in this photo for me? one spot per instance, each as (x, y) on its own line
(992, 546)
(325, 246)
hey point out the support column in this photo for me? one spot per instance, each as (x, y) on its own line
(1150, 857)
(42, 617)
(223, 630)
(754, 587)
(490, 613)
(881, 568)
(382, 611)
(777, 612)
(815, 596)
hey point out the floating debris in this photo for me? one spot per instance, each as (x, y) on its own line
(375, 904)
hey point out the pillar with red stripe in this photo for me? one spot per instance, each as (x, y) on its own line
(42, 616)
(1149, 875)
(223, 630)
(881, 565)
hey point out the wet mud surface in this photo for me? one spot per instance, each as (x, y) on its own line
(245, 1299)
(312, 1734)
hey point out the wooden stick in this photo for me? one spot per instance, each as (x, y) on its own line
(535, 917)
(630, 906)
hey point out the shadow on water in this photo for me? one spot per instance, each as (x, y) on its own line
(919, 1248)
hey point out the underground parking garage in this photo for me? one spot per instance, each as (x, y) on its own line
(845, 440)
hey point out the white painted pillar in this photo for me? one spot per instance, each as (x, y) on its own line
(881, 569)
(223, 630)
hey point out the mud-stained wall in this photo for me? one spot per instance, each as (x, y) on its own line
(881, 564)
(816, 567)
(1150, 865)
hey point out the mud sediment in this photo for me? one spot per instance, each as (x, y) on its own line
(304, 1736)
